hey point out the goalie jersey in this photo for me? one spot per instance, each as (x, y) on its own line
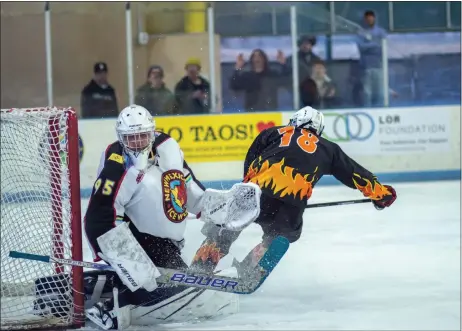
(155, 201)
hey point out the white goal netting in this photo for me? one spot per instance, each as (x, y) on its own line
(38, 216)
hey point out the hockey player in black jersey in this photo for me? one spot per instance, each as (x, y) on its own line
(286, 162)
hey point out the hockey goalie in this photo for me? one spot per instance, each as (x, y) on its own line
(136, 221)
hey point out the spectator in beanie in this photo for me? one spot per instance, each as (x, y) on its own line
(259, 83)
(192, 92)
(369, 41)
(98, 99)
(153, 95)
(305, 56)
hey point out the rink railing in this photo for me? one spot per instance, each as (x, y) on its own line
(397, 144)
(317, 13)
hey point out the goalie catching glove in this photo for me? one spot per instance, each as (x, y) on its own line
(234, 209)
(122, 251)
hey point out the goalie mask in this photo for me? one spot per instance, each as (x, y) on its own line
(135, 130)
(308, 118)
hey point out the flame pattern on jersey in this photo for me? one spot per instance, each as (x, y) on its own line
(280, 179)
(209, 251)
(370, 189)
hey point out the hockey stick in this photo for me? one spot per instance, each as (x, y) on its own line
(338, 203)
(172, 277)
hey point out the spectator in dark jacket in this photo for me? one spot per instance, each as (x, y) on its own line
(260, 84)
(192, 92)
(98, 99)
(305, 56)
(154, 95)
(318, 90)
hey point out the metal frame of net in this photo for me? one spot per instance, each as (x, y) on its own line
(40, 214)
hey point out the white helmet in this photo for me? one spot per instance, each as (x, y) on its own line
(308, 118)
(135, 130)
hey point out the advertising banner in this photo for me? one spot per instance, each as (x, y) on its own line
(216, 138)
(413, 130)
(390, 131)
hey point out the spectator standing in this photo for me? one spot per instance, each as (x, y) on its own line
(154, 95)
(306, 57)
(369, 41)
(98, 98)
(260, 83)
(192, 92)
(318, 90)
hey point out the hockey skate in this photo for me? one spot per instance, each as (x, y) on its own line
(103, 315)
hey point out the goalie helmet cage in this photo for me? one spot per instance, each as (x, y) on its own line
(40, 213)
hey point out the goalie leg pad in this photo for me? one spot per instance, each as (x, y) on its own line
(123, 313)
(131, 263)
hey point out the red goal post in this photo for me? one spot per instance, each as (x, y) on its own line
(40, 214)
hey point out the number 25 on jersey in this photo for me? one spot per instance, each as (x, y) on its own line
(307, 141)
(107, 187)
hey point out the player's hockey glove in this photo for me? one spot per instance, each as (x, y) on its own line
(387, 200)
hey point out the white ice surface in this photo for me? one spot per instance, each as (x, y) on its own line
(356, 268)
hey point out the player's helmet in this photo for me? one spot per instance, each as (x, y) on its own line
(135, 130)
(308, 118)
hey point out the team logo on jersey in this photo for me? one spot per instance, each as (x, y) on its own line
(174, 194)
(116, 158)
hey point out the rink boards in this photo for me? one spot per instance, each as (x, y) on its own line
(398, 144)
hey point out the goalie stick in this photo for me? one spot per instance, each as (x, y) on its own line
(172, 277)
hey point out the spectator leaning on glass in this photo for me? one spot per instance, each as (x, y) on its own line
(154, 95)
(369, 41)
(260, 83)
(98, 98)
(318, 90)
(192, 92)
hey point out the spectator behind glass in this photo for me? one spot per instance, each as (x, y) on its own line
(318, 90)
(306, 57)
(98, 99)
(369, 41)
(153, 95)
(260, 84)
(192, 93)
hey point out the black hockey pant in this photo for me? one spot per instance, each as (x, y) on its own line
(276, 218)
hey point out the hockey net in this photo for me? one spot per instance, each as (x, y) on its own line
(40, 214)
